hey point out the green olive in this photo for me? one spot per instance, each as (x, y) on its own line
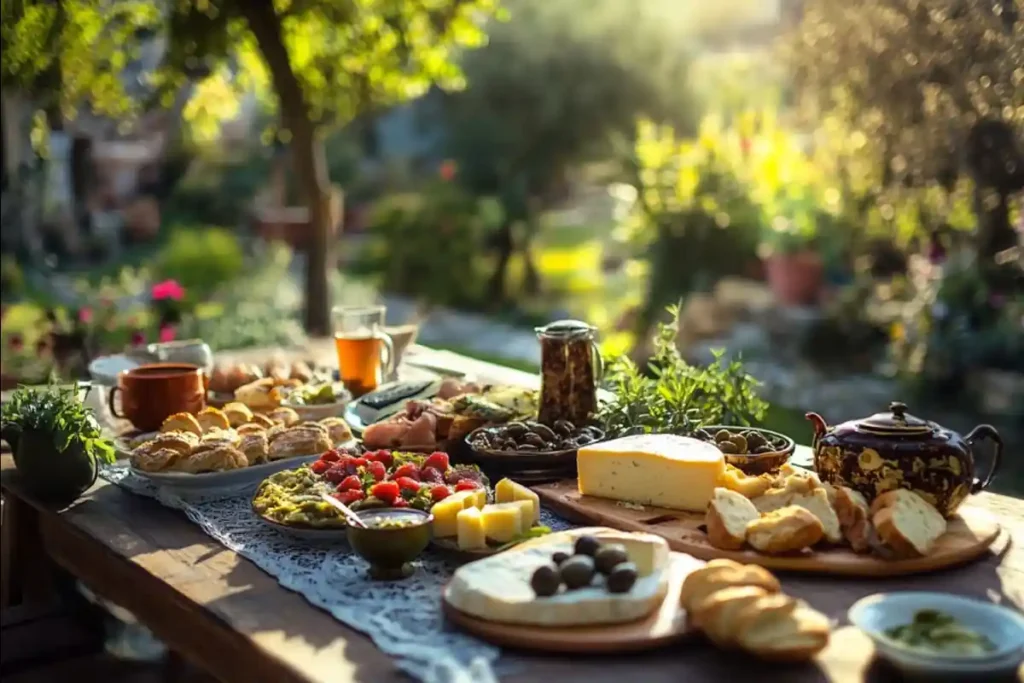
(727, 447)
(740, 442)
(722, 435)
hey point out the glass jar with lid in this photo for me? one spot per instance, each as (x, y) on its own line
(571, 367)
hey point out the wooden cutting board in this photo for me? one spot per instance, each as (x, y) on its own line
(666, 625)
(969, 536)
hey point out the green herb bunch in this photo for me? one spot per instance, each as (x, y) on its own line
(59, 412)
(675, 397)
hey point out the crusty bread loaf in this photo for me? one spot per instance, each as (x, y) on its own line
(764, 622)
(785, 530)
(739, 481)
(854, 518)
(727, 517)
(814, 499)
(718, 574)
(906, 523)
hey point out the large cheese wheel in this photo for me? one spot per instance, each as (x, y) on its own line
(497, 588)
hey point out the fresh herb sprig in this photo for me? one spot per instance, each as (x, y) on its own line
(57, 411)
(675, 397)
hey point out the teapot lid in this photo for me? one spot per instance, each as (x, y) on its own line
(896, 422)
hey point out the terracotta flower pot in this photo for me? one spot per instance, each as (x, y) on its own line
(795, 279)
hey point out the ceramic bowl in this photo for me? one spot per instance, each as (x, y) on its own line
(757, 463)
(533, 467)
(390, 551)
(1005, 627)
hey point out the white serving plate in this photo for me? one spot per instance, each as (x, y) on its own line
(229, 479)
(1005, 627)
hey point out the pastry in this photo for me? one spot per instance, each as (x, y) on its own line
(295, 442)
(301, 371)
(219, 437)
(182, 422)
(237, 413)
(183, 442)
(260, 419)
(337, 429)
(255, 447)
(216, 459)
(251, 428)
(275, 431)
(283, 415)
(263, 394)
(156, 459)
(727, 518)
(906, 522)
(212, 418)
(785, 530)
(854, 518)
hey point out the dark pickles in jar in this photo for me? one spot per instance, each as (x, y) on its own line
(570, 366)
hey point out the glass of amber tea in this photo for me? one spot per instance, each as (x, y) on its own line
(365, 351)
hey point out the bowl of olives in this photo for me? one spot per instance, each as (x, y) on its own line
(530, 451)
(592, 563)
(751, 449)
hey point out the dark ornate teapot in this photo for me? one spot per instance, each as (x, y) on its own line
(895, 450)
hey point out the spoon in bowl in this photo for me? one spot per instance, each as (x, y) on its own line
(352, 517)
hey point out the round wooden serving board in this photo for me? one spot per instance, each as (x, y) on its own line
(969, 535)
(666, 625)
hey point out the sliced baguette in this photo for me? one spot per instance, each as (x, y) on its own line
(786, 530)
(780, 636)
(717, 615)
(703, 583)
(854, 517)
(907, 523)
(814, 499)
(727, 517)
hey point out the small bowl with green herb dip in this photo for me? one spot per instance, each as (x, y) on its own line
(392, 539)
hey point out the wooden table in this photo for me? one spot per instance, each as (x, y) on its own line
(226, 616)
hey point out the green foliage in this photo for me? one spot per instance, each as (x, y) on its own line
(676, 397)
(427, 244)
(59, 412)
(218, 191)
(201, 259)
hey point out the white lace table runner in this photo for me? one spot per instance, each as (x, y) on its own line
(400, 617)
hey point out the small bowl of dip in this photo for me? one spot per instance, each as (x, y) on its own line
(392, 539)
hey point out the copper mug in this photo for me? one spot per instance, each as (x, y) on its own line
(152, 393)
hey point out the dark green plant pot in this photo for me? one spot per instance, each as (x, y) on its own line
(49, 474)
(390, 552)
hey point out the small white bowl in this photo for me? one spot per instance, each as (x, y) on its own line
(1005, 627)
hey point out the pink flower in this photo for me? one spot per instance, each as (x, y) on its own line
(447, 170)
(85, 315)
(167, 333)
(168, 289)
(138, 339)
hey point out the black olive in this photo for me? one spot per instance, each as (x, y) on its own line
(564, 427)
(754, 440)
(510, 446)
(545, 580)
(703, 435)
(584, 439)
(577, 571)
(527, 447)
(622, 578)
(587, 545)
(515, 429)
(536, 440)
(544, 432)
(559, 558)
(609, 557)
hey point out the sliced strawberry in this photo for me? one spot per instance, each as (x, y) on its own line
(407, 484)
(439, 492)
(400, 503)
(438, 460)
(386, 491)
(467, 485)
(335, 475)
(320, 466)
(331, 456)
(377, 469)
(431, 475)
(407, 470)
(350, 482)
(350, 496)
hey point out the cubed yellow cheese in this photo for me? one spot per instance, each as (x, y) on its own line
(475, 497)
(526, 508)
(471, 529)
(652, 469)
(445, 511)
(502, 521)
(506, 491)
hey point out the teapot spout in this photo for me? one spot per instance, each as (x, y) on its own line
(820, 426)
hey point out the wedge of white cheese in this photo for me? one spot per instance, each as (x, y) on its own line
(497, 588)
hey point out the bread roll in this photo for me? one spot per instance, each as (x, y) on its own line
(182, 422)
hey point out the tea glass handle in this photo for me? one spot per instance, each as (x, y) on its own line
(387, 356)
(980, 433)
(598, 361)
(110, 402)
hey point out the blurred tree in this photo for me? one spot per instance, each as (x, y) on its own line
(325, 61)
(554, 88)
(937, 85)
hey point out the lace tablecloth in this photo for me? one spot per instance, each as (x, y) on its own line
(400, 617)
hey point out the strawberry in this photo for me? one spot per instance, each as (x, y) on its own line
(406, 470)
(320, 466)
(335, 475)
(407, 484)
(377, 469)
(350, 496)
(350, 482)
(352, 465)
(466, 485)
(430, 475)
(439, 492)
(331, 456)
(386, 491)
(380, 456)
(438, 460)
(400, 503)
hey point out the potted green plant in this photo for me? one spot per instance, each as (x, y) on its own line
(793, 266)
(56, 441)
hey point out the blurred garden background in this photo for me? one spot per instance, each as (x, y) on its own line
(833, 191)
